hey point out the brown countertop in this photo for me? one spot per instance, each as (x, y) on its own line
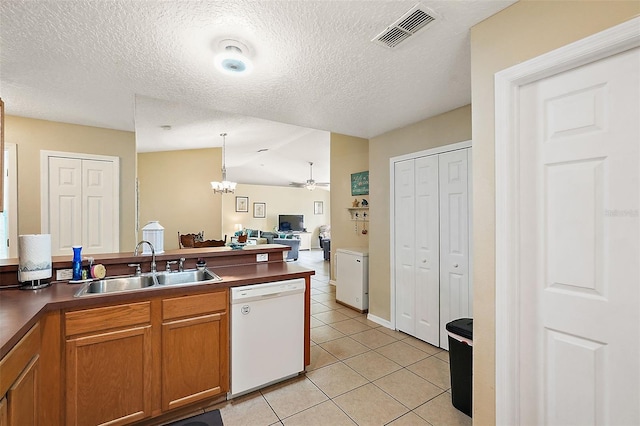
(21, 309)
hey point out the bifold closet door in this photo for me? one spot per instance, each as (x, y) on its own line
(455, 291)
(81, 199)
(417, 248)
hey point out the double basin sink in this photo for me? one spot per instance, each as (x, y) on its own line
(147, 281)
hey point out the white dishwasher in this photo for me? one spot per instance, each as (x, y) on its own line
(267, 334)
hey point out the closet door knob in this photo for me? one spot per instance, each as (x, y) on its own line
(455, 265)
(424, 260)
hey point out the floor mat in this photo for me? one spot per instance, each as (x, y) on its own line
(210, 418)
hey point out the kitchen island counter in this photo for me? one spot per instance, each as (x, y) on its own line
(21, 309)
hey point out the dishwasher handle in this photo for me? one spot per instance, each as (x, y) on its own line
(270, 295)
(266, 291)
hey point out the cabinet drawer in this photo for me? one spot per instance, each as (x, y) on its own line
(96, 319)
(194, 305)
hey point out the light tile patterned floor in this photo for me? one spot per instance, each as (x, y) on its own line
(360, 374)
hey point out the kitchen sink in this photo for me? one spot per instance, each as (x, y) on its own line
(166, 279)
(195, 276)
(116, 285)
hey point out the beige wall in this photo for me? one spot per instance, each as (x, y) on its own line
(31, 136)
(348, 155)
(444, 129)
(175, 190)
(279, 200)
(520, 32)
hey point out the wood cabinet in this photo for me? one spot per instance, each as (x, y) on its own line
(108, 364)
(129, 362)
(4, 414)
(19, 381)
(22, 398)
(195, 360)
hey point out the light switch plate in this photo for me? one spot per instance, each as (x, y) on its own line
(262, 257)
(64, 274)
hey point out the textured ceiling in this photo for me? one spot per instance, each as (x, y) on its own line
(102, 63)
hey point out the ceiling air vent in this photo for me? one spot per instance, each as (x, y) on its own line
(417, 18)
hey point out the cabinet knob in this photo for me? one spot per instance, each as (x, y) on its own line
(455, 265)
(424, 260)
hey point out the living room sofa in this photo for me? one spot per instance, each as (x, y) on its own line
(294, 243)
(261, 237)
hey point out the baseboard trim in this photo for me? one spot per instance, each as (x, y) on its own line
(362, 311)
(378, 320)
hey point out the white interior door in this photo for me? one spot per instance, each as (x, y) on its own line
(455, 294)
(579, 200)
(97, 212)
(431, 237)
(427, 250)
(81, 202)
(65, 198)
(405, 217)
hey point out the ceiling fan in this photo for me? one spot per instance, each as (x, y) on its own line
(310, 184)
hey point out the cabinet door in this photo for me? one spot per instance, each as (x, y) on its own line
(109, 377)
(194, 359)
(4, 419)
(22, 398)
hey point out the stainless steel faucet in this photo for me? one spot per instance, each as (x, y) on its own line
(138, 269)
(169, 263)
(153, 254)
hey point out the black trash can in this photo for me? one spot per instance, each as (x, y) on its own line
(461, 362)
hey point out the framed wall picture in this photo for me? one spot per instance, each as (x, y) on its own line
(260, 210)
(360, 183)
(318, 207)
(242, 204)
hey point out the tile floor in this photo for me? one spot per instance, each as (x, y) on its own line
(360, 374)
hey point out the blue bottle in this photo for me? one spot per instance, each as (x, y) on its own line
(77, 263)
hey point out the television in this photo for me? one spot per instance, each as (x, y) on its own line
(291, 223)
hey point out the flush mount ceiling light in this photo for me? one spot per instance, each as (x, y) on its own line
(233, 58)
(224, 187)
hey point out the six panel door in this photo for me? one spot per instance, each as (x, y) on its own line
(579, 188)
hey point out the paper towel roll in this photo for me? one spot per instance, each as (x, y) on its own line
(34, 257)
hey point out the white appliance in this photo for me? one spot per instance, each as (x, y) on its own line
(267, 334)
(352, 286)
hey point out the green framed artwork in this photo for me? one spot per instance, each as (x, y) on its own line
(360, 183)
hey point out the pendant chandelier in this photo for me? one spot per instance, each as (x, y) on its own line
(224, 187)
